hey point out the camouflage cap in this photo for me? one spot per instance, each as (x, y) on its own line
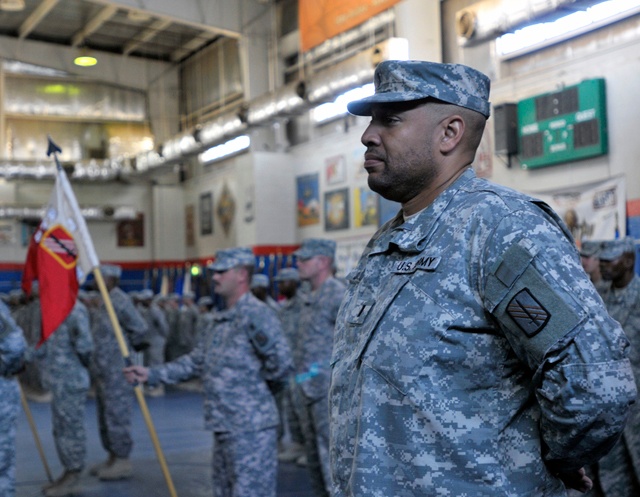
(407, 80)
(590, 248)
(316, 246)
(259, 281)
(233, 257)
(287, 274)
(612, 249)
(111, 270)
(146, 294)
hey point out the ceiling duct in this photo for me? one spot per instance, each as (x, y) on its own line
(25, 213)
(285, 101)
(489, 19)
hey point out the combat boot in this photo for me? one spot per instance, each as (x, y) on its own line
(67, 484)
(96, 468)
(119, 469)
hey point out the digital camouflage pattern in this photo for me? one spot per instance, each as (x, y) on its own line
(619, 471)
(406, 80)
(473, 357)
(244, 348)
(66, 355)
(158, 330)
(312, 347)
(114, 396)
(12, 349)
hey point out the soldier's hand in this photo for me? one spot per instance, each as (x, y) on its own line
(578, 480)
(136, 374)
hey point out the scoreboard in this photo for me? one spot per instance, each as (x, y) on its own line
(563, 126)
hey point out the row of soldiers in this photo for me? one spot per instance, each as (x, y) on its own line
(82, 352)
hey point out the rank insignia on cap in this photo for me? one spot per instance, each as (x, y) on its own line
(261, 339)
(528, 313)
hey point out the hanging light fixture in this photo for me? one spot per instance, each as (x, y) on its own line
(85, 59)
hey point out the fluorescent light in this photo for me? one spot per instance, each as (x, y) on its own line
(85, 61)
(230, 147)
(338, 107)
(541, 35)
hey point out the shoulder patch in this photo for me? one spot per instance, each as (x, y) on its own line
(528, 313)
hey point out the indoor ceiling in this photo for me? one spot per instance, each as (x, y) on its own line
(104, 26)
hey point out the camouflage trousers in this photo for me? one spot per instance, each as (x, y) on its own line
(616, 473)
(314, 423)
(245, 464)
(9, 406)
(114, 403)
(69, 434)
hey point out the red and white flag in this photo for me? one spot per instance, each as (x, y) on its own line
(60, 256)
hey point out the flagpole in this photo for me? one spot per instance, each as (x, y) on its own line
(53, 149)
(34, 430)
(124, 350)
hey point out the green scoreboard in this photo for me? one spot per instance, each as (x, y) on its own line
(563, 126)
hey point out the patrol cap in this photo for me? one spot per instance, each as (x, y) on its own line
(259, 281)
(111, 270)
(590, 248)
(407, 80)
(612, 249)
(287, 274)
(316, 246)
(233, 257)
(146, 294)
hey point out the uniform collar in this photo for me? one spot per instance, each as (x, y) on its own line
(411, 236)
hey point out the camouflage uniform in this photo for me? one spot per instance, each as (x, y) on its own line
(473, 357)
(311, 356)
(157, 335)
(66, 357)
(244, 347)
(114, 396)
(619, 471)
(12, 348)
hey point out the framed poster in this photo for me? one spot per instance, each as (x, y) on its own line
(308, 199)
(365, 207)
(206, 213)
(336, 210)
(131, 232)
(335, 170)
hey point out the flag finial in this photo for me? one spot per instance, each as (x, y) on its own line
(53, 149)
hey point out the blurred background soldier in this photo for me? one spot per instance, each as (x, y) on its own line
(260, 288)
(619, 471)
(589, 251)
(312, 354)
(12, 349)
(65, 358)
(158, 329)
(114, 396)
(288, 281)
(245, 350)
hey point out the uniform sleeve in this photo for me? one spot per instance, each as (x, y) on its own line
(12, 344)
(83, 340)
(269, 342)
(558, 326)
(183, 368)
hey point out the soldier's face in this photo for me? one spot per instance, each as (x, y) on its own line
(612, 270)
(308, 268)
(399, 157)
(225, 282)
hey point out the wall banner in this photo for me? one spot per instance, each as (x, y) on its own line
(595, 211)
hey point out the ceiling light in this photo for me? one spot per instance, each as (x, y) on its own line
(85, 60)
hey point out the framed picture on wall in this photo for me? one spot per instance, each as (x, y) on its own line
(365, 207)
(308, 200)
(131, 232)
(336, 210)
(206, 213)
(335, 170)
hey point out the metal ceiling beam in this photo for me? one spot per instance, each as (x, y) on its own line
(94, 24)
(193, 45)
(146, 35)
(31, 22)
